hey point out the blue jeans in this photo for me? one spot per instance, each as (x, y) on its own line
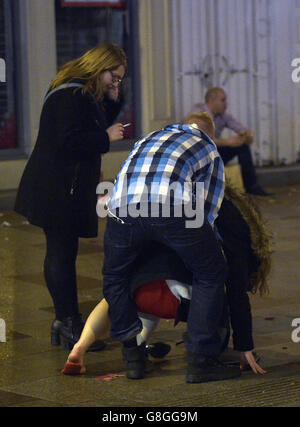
(202, 255)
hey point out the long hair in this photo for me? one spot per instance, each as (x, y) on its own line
(261, 238)
(89, 66)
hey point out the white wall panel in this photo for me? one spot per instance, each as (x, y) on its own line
(245, 46)
(296, 87)
(281, 20)
(155, 71)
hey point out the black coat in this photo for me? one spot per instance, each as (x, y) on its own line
(58, 187)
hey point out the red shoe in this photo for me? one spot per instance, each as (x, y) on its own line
(72, 368)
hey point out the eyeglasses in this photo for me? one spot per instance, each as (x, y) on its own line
(115, 78)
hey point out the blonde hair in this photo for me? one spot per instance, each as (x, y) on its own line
(201, 116)
(89, 66)
(261, 237)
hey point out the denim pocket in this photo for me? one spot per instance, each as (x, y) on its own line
(179, 235)
(117, 234)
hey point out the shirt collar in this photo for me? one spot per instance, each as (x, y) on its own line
(193, 130)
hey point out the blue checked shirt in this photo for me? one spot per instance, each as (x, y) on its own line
(178, 153)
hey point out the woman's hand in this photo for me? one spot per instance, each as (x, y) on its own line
(247, 357)
(115, 132)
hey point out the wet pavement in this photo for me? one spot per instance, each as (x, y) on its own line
(30, 367)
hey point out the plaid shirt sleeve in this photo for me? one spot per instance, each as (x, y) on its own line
(209, 169)
(215, 189)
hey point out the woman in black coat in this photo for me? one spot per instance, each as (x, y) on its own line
(58, 188)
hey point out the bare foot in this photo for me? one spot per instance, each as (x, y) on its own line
(76, 356)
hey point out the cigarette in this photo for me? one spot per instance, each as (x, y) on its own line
(127, 124)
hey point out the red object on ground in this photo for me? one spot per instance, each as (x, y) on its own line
(72, 368)
(109, 377)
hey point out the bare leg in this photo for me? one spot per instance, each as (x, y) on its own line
(96, 327)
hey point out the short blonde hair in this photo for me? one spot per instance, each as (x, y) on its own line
(207, 126)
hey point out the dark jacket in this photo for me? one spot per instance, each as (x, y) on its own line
(58, 187)
(242, 262)
(158, 262)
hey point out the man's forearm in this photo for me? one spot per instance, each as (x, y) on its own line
(221, 142)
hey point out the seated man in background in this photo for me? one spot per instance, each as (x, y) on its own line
(237, 145)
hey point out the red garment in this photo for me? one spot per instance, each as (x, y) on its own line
(156, 298)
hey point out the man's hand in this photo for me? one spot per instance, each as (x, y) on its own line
(115, 132)
(247, 137)
(247, 357)
(235, 141)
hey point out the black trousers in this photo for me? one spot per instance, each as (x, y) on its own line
(245, 160)
(60, 271)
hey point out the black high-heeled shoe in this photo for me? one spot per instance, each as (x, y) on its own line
(70, 331)
(67, 332)
(55, 331)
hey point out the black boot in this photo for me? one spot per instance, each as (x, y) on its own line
(136, 361)
(68, 331)
(204, 369)
(55, 331)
